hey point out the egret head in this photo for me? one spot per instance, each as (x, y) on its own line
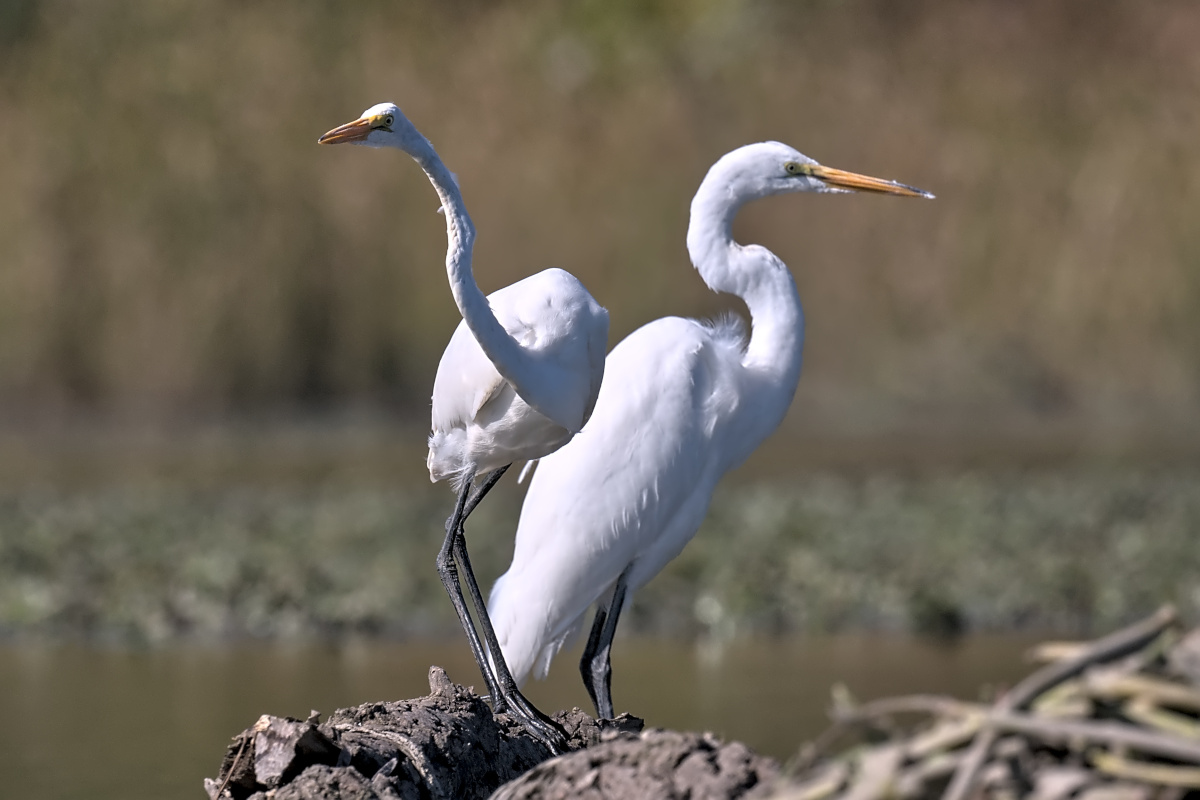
(382, 125)
(770, 168)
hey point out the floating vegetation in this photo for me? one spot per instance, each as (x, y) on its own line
(1073, 552)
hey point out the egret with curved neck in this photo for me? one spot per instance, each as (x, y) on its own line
(683, 402)
(518, 379)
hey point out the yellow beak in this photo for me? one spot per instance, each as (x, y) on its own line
(350, 132)
(862, 183)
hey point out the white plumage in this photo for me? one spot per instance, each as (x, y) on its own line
(632, 490)
(479, 421)
(682, 402)
(519, 378)
(522, 370)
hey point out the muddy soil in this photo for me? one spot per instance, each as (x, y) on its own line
(449, 744)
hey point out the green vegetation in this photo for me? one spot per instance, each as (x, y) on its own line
(1073, 552)
(174, 246)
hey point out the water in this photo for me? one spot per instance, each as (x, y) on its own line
(106, 723)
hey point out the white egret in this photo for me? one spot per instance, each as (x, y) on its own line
(683, 402)
(518, 379)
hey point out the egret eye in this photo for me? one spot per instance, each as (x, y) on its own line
(388, 120)
(794, 168)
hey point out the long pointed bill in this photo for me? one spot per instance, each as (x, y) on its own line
(862, 183)
(349, 133)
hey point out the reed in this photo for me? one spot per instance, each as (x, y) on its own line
(173, 243)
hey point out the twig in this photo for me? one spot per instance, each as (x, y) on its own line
(935, 704)
(1150, 714)
(845, 721)
(830, 781)
(232, 767)
(1162, 774)
(944, 736)
(1153, 690)
(1048, 652)
(1108, 733)
(876, 772)
(911, 782)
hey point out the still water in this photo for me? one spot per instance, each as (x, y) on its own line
(83, 722)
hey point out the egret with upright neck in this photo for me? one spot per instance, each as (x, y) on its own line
(683, 402)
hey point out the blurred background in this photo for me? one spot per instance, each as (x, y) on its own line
(217, 343)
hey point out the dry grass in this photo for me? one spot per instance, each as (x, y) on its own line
(173, 241)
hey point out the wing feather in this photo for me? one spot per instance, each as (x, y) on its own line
(644, 458)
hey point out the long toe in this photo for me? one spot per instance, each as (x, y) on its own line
(541, 727)
(546, 732)
(551, 736)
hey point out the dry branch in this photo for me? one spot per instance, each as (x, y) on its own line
(1118, 717)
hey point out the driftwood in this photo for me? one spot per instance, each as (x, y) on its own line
(1114, 718)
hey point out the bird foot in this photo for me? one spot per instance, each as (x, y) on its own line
(540, 727)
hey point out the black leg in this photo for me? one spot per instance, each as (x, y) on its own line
(589, 653)
(489, 480)
(506, 698)
(448, 572)
(596, 666)
(464, 563)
